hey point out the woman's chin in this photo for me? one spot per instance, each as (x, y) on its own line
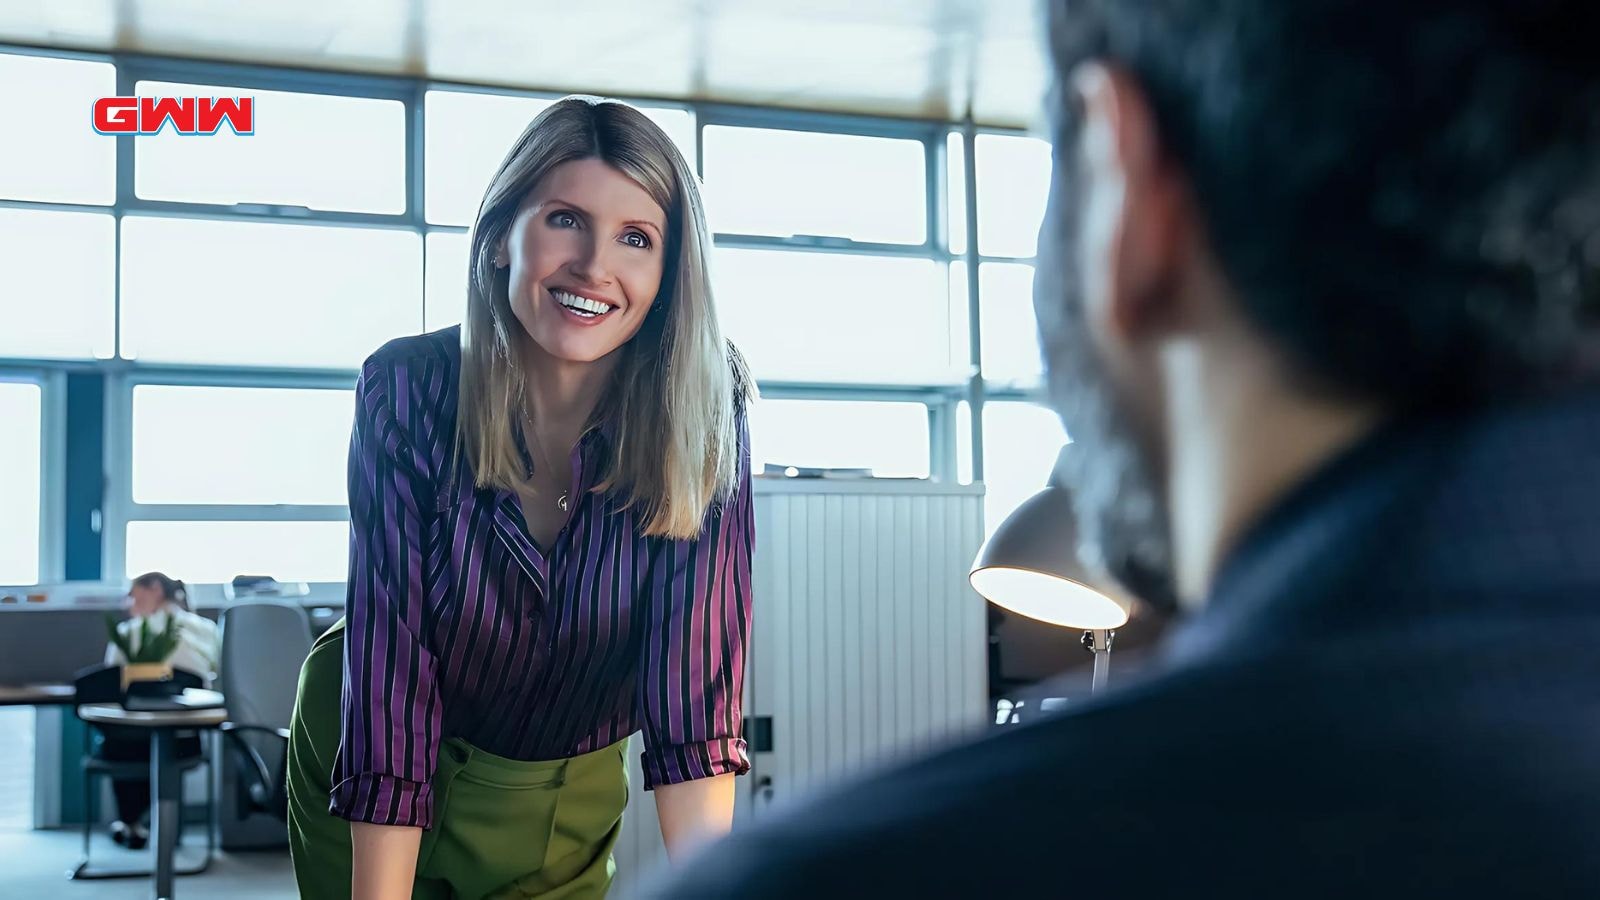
(582, 350)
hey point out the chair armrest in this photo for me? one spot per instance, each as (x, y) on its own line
(235, 727)
(265, 792)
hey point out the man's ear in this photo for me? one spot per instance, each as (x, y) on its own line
(1135, 209)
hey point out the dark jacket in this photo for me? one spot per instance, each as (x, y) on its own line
(1394, 691)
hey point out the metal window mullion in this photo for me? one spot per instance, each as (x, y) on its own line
(808, 243)
(416, 182)
(259, 77)
(237, 512)
(233, 377)
(117, 497)
(974, 301)
(52, 476)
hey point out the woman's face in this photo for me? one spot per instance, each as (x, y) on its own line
(586, 253)
(146, 599)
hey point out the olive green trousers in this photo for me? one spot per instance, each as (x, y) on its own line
(501, 828)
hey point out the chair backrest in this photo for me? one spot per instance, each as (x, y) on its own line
(263, 647)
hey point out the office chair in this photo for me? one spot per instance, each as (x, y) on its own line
(263, 647)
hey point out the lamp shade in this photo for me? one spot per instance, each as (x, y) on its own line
(1030, 566)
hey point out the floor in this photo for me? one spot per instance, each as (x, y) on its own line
(37, 863)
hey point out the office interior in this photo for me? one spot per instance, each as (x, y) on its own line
(182, 318)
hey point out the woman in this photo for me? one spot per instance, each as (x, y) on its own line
(154, 598)
(551, 538)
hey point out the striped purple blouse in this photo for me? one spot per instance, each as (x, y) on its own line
(460, 626)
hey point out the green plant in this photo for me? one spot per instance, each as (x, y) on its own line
(153, 647)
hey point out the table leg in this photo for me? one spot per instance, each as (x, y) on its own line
(164, 810)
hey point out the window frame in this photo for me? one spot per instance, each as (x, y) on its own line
(967, 382)
(119, 507)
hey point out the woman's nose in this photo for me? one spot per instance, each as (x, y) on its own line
(591, 265)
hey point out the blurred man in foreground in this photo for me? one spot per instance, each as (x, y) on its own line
(1319, 298)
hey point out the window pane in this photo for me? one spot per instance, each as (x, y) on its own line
(58, 156)
(21, 409)
(211, 552)
(836, 317)
(447, 279)
(891, 439)
(56, 284)
(1010, 331)
(1020, 444)
(1013, 184)
(294, 295)
(956, 191)
(290, 444)
(679, 125)
(466, 137)
(312, 150)
(782, 183)
(468, 134)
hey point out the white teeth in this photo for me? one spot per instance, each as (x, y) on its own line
(581, 305)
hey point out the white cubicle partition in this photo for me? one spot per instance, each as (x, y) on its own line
(868, 645)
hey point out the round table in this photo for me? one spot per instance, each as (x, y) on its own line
(163, 725)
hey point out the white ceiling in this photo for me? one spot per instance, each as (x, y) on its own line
(916, 58)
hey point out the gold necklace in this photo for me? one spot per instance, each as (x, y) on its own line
(561, 501)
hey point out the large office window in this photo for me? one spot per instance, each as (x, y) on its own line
(833, 317)
(890, 438)
(240, 445)
(57, 281)
(209, 551)
(21, 481)
(61, 159)
(265, 293)
(311, 150)
(222, 480)
(1021, 441)
(232, 285)
(784, 183)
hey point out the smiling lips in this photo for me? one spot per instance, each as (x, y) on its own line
(583, 310)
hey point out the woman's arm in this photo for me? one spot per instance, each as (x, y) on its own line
(382, 771)
(692, 673)
(383, 860)
(694, 812)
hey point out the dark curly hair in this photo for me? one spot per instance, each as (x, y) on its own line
(1405, 195)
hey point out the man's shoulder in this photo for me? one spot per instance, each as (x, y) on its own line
(1258, 775)
(988, 816)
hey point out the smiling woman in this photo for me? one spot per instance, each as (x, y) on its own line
(551, 532)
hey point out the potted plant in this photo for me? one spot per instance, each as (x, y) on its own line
(147, 657)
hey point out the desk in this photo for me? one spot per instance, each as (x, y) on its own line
(163, 725)
(37, 694)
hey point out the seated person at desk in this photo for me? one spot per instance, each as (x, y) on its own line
(154, 597)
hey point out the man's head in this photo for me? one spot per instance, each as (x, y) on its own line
(1390, 206)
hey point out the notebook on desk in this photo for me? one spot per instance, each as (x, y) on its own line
(190, 698)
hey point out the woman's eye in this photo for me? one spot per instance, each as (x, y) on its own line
(564, 220)
(637, 239)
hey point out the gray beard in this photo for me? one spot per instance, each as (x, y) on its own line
(1123, 527)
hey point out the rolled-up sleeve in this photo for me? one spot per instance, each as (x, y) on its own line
(390, 740)
(691, 679)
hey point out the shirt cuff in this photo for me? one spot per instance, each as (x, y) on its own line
(383, 800)
(677, 763)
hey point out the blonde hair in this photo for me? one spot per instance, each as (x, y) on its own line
(675, 394)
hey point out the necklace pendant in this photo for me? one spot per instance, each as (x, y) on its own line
(561, 503)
